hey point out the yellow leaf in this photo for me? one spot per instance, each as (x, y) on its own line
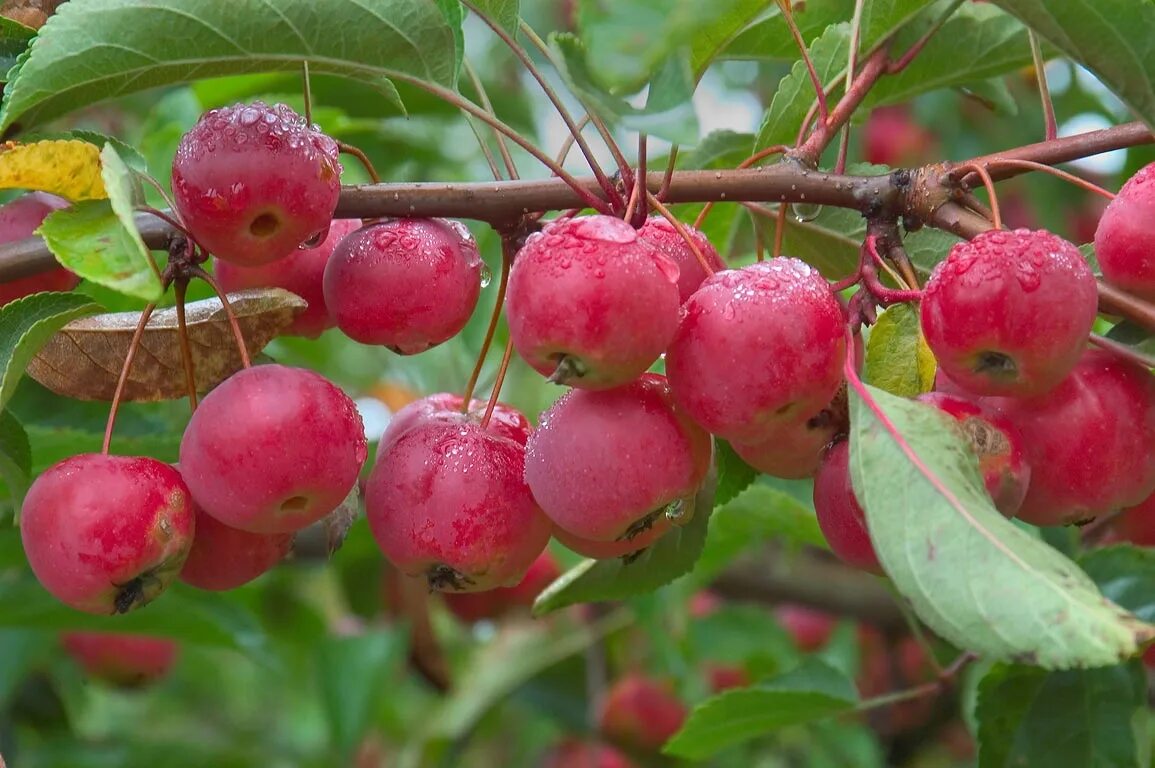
(897, 356)
(69, 168)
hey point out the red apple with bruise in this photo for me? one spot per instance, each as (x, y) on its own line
(107, 534)
(997, 445)
(590, 303)
(273, 449)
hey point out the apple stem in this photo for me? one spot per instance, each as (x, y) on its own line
(502, 147)
(180, 287)
(671, 164)
(1058, 173)
(981, 171)
(362, 158)
(507, 254)
(307, 92)
(945, 677)
(242, 348)
(779, 229)
(1050, 127)
(129, 357)
(497, 382)
(1123, 351)
(636, 214)
(680, 228)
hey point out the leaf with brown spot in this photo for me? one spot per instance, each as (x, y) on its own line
(69, 168)
(83, 360)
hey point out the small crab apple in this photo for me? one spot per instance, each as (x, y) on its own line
(662, 235)
(107, 534)
(591, 304)
(447, 501)
(301, 272)
(406, 284)
(996, 443)
(892, 137)
(273, 449)
(505, 421)
(121, 659)
(253, 182)
(1008, 313)
(475, 606)
(226, 558)
(1125, 237)
(641, 712)
(18, 220)
(810, 628)
(756, 348)
(1090, 442)
(840, 517)
(573, 460)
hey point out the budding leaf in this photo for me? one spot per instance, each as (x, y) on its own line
(974, 577)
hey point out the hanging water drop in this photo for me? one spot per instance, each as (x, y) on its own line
(486, 275)
(806, 212)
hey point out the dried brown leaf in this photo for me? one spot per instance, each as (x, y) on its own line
(83, 360)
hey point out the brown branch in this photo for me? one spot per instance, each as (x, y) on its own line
(814, 581)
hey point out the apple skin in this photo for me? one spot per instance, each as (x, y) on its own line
(107, 534)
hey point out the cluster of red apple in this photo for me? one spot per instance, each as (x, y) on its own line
(1064, 432)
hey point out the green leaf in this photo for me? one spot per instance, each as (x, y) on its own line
(21, 651)
(671, 556)
(977, 43)
(1133, 335)
(975, 578)
(1126, 576)
(14, 39)
(1112, 38)
(628, 41)
(26, 325)
(116, 47)
(181, 612)
(1092, 718)
(720, 29)
(354, 678)
(796, 94)
(897, 357)
(734, 475)
(812, 691)
(505, 12)
(756, 515)
(91, 239)
(669, 113)
(15, 457)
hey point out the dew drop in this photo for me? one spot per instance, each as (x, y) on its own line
(804, 212)
(486, 275)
